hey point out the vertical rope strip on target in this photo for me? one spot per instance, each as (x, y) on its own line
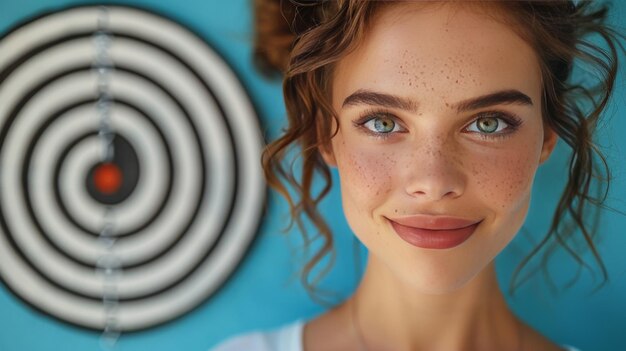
(108, 263)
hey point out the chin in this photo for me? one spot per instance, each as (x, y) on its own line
(440, 279)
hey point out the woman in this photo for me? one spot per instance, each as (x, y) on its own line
(436, 116)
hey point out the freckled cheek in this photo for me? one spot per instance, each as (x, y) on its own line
(506, 180)
(367, 177)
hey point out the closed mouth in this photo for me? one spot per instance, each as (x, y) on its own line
(434, 238)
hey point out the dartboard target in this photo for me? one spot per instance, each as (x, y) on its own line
(184, 189)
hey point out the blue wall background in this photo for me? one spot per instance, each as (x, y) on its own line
(265, 292)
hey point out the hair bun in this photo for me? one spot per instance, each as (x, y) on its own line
(277, 24)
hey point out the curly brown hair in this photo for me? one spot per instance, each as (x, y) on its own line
(302, 41)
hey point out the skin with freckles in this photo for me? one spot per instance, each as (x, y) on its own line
(428, 156)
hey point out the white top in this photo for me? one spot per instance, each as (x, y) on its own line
(285, 338)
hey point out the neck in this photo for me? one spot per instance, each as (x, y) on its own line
(394, 316)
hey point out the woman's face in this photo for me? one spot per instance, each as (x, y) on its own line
(412, 142)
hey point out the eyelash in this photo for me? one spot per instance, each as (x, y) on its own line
(511, 120)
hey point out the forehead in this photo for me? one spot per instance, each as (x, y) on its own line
(421, 51)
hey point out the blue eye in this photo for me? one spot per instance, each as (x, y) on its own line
(381, 124)
(494, 126)
(489, 125)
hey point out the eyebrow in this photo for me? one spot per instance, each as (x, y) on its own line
(368, 97)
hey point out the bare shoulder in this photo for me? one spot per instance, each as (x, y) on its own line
(537, 341)
(327, 332)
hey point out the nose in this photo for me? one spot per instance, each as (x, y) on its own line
(435, 172)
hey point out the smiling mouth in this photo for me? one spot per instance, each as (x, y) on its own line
(435, 238)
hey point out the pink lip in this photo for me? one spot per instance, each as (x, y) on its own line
(434, 232)
(433, 222)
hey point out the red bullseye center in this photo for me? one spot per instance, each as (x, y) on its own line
(107, 178)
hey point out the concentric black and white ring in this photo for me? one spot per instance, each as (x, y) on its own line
(182, 119)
